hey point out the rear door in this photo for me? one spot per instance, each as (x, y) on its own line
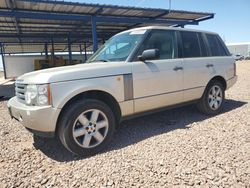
(159, 82)
(196, 64)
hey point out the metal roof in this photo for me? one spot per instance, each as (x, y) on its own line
(26, 25)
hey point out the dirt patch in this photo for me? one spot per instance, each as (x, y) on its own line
(180, 147)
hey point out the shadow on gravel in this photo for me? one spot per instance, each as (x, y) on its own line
(7, 91)
(136, 130)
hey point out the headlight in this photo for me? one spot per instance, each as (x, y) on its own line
(31, 94)
(38, 95)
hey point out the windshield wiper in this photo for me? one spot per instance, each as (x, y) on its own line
(102, 60)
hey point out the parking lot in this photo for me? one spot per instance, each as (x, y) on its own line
(179, 147)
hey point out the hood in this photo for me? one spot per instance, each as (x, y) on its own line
(74, 72)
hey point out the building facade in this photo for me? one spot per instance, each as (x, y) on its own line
(239, 48)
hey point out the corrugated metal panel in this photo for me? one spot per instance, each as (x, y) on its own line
(42, 30)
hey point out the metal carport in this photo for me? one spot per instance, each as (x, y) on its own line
(33, 26)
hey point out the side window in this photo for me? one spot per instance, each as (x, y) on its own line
(164, 41)
(202, 46)
(215, 46)
(222, 46)
(190, 44)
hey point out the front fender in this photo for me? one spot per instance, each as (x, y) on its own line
(62, 92)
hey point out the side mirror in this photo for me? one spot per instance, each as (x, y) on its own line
(149, 55)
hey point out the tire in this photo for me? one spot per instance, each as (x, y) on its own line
(86, 127)
(211, 103)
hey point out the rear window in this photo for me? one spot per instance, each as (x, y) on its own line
(215, 46)
(190, 44)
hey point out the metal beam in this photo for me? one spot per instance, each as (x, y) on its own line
(62, 28)
(199, 20)
(94, 33)
(56, 35)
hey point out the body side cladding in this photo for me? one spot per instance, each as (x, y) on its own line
(128, 87)
(153, 111)
(170, 92)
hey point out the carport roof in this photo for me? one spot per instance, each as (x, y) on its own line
(26, 25)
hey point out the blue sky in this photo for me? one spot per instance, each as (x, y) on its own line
(232, 18)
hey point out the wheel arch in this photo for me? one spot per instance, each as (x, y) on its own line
(220, 79)
(103, 96)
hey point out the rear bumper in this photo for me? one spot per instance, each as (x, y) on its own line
(231, 81)
(39, 120)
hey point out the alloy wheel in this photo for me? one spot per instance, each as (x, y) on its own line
(90, 128)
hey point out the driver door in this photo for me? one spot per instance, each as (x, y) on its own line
(158, 83)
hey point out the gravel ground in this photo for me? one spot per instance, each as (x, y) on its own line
(180, 147)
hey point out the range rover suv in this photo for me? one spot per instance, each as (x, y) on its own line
(136, 71)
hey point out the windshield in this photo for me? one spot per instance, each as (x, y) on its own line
(119, 47)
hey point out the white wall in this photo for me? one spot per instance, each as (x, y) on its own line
(18, 65)
(242, 49)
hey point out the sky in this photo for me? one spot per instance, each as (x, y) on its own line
(231, 21)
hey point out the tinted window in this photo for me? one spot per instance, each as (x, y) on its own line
(190, 44)
(164, 41)
(202, 45)
(215, 46)
(222, 47)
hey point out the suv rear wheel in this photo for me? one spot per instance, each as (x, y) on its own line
(213, 98)
(86, 127)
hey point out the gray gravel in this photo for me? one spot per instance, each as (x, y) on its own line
(180, 147)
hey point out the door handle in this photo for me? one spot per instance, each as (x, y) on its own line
(209, 65)
(177, 68)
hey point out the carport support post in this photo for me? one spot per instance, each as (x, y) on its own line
(94, 33)
(69, 49)
(85, 52)
(46, 50)
(80, 47)
(52, 52)
(2, 54)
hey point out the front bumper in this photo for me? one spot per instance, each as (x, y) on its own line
(231, 81)
(37, 119)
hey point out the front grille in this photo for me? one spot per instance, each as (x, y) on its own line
(20, 91)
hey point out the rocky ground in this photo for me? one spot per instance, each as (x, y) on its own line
(180, 147)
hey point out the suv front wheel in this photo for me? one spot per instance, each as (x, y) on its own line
(86, 127)
(213, 99)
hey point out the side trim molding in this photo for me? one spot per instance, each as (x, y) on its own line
(128, 87)
(171, 92)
